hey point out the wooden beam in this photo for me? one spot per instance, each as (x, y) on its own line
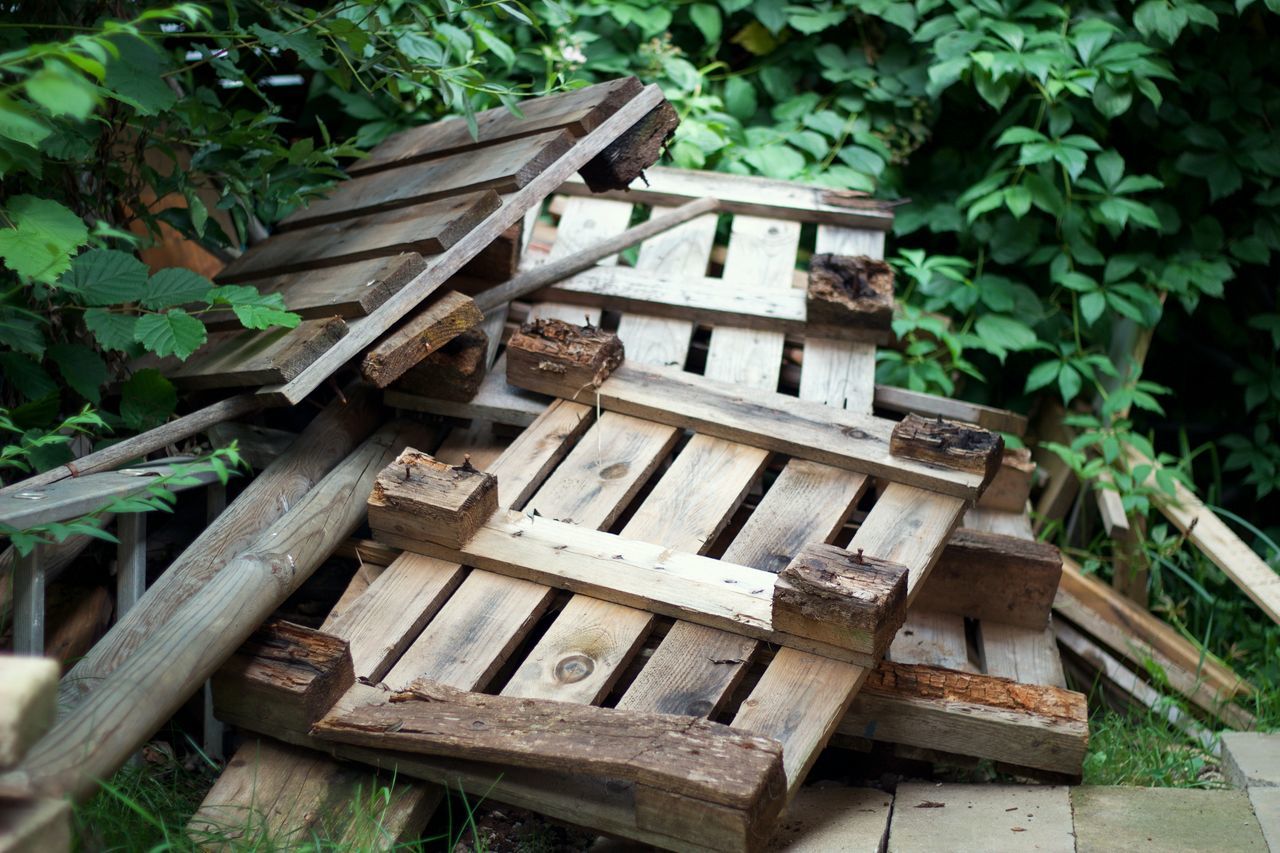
(989, 576)
(562, 354)
(1011, 488)
(1025, 725)
(830, 592)
(331, 435)
(668, 753)
(949, 444)
(28, 704)
(754, 196)
(35, 826)
(453, 372)
(175, 660)
(769, 420)
(638, 148)
(418, 497)
(421, 335)
(284, 676)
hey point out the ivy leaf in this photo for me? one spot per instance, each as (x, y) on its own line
(82, 368)
(1092, 305)
(26, 375)
(740, 98)
(45, 235)
(1069, 383)
(707, 19)
(147, 399)
(174, 332)
(1042, 374)
(106, 277)
(1005, 332)
(113, 331)
(175, 286)
(1018, 200)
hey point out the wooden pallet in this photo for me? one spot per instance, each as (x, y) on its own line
(424, 204)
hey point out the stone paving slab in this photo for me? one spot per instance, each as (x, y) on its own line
(1266, 808)
(834, 819)
(1168, 820)
(1251, 758)
(981, 818)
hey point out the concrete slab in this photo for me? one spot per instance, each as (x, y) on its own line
(834, 819)
(1266, 808)
(1168, 820)
(981, 818)
(1251, 758)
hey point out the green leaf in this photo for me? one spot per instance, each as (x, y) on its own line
(21, 332)
(265, 317)
(82, 368)
(175, 286)
(173, 333)
(113, 331)
(136, 76)
(776, 161)
(1069, 383)
(61, 91)
(862, 159)
(1110, 166)
(1004, 333)
(106, 277)
(147, 399)
(1092, 305)
(1018, 200)
(740, 98)
(707, 19)
(45, 235)
(1020, 136)
(1042, 374)
(27, 376)
(21, 124)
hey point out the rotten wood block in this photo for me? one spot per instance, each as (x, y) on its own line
(948, 444)
(453, 372)
(669, 758)
(984, 575)
(1011, 487)
(284, 677)
(499, 260)
(630, 154)
(841, 598)
(561, 359)
(423, 334)
(849, 290)
(420, 497)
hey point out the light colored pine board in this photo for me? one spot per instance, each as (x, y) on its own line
(28, 703)
(584, 222)
(909, 526)
(504, 167)
(753, 196)
(770, 420)
(684, 250)
(760, 252)
(1027, 655)
(839, 373)
(578, 111)
(934, 639)
(638, 574)
(253, 357)
(365, 330)
(428, 229)
(35, 825)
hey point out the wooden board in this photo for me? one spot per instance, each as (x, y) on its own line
(579, 112)
(251, 357)
(344, 290)
(504, 168)
(428, 229)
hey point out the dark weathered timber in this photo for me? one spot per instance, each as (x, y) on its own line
(547, 354)
(678, 755)
(284, 675)
(948, 444)
(989, 576)
(421, 335)
(831, 595)
(453, 372)
(850, 290)
(629, 155)
(499, 260)
(421, 497)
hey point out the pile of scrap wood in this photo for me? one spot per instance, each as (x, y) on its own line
(646, 536)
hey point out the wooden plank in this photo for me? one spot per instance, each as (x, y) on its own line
(682, 251)
(700, 299)
(496, 401)
(175, 660)
(1027, 655)
(933, 639)
(422, 334)
(1023, 725)
(504, 167)
(28, 704)
(696, 758)
(35, 825)
(578, 111)
(364, 331)
(344, 290)
(253, 357)
(654, 578)
(455, 371)
(772, 421)
(753, 196)
(902, 400)
(428, 229)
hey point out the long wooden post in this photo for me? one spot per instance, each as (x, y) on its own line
(145, 690)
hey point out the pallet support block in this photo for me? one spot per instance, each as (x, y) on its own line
(849, 290)
(630, 154)
(948, 444)
(553, 354)
(420, 497)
